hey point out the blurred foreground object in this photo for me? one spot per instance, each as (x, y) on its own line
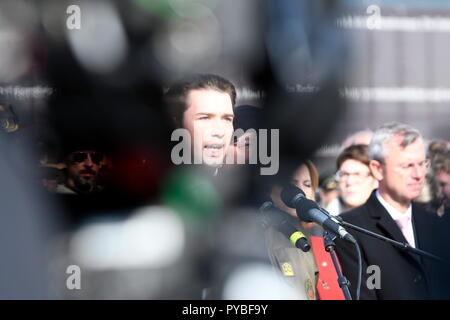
(8, 119)
(25, 228)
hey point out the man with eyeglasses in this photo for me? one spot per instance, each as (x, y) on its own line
(84, 191)
(82, 172)
(398, 161)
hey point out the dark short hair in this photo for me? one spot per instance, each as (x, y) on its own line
(358, 152)
(176, 96)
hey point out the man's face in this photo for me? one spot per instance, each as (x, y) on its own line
(443, 179)
(82, 170)
(403, 172)
(209, 119)
(355, 182)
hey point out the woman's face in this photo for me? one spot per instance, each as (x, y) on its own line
(355, 183)
(301, 179)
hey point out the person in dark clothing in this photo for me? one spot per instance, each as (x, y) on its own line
(398, 162)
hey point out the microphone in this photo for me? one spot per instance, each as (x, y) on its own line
(272, 216)
(309, 211)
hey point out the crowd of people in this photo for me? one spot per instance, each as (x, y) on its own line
(387, 181)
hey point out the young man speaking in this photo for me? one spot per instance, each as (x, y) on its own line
(203, 105)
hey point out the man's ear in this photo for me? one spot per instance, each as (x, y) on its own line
(377, 169)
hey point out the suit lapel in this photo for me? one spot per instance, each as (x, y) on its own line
(423, 229)
(420, 226)
(388, 226)
(384, 220)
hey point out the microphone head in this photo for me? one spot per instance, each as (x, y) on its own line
(291, 194)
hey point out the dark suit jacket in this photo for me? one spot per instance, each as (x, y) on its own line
(404, 275)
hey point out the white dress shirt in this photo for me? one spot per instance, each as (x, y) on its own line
(395, 214)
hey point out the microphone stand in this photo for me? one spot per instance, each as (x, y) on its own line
(342, 280)
(402, 245)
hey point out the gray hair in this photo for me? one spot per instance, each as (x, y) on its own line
(385, 132)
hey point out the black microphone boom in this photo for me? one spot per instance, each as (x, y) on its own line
(309, 211)
(276, 218)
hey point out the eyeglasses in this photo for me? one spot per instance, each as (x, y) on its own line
(79, 157)
(425, 164)
(357, 176)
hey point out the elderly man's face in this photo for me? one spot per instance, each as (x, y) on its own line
(209, 119)
(404, 169)
(83, 170)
